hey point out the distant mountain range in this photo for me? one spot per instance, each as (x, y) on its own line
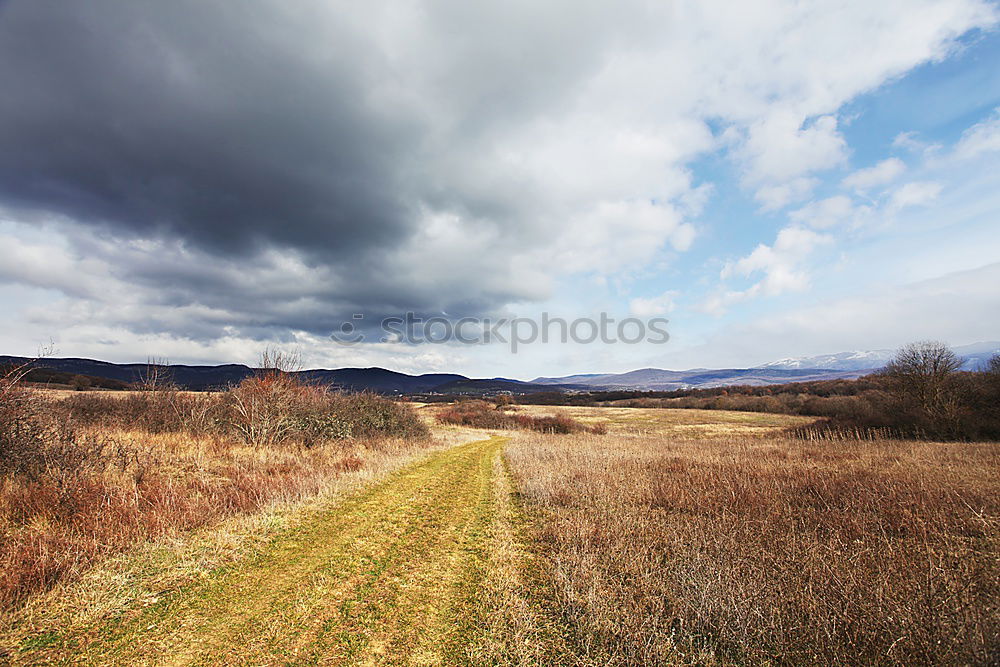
(211, 377)
(973, 356)
(655, 379)
(846, 365)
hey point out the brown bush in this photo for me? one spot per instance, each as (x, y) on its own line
(367, 415)
(23, 436)
(277, 407)
(480, 414)
(161, 411)
(262, 410)
(549, 424)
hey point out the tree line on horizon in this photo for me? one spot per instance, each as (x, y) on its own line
(920, 393)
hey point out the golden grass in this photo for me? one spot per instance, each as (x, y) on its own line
(145, 486)
(142, 575)
(373, 577)
(675, 422)
(691, 542)
(59, 393)
(681, 537)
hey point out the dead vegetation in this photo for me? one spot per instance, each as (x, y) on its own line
(480, 414)
(737, 548)
(94, 474)
(682, 536)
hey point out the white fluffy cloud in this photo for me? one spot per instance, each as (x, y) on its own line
(780, 149)
(780, 265)
(619, 236)
(653, 306)
(882, 173)
(825, 213)
(917, 193)
(775, 196)
(980, 138)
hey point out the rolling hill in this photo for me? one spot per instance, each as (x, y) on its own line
(655, 379)
(845, 365)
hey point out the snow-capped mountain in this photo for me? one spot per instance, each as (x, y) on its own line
(973, 357)
(842, 361)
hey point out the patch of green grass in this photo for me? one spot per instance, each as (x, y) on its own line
(380, 576)
(40, 641)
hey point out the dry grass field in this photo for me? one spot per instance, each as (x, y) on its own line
(687, 423)
(152, 486)
(82, 480)
(640, 537)
(710, 538)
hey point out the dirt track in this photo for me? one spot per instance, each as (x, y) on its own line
(381, 578)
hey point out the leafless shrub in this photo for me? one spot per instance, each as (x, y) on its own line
(272, 407)
(260, 408)
(480, 414)
(277, 407)
(156, 376)
(160, 411)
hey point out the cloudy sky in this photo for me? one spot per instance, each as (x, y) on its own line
(197, 179)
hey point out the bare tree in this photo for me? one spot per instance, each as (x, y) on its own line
(504, 402)
(920, 373)
(993, 365)
(80, 382)
(276, 362)
(11, 376)
(156, 376)
(991, 385)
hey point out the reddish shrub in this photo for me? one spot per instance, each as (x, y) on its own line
(480, 414)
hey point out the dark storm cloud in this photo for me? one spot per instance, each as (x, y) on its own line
(265, 165)
(208, 168)
(205, 121)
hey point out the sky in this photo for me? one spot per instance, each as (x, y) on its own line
(198, 180)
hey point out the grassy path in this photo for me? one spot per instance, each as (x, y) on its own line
(384, 577)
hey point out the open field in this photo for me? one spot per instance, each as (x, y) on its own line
(684, 541)
(679, 537)
(677, 423)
